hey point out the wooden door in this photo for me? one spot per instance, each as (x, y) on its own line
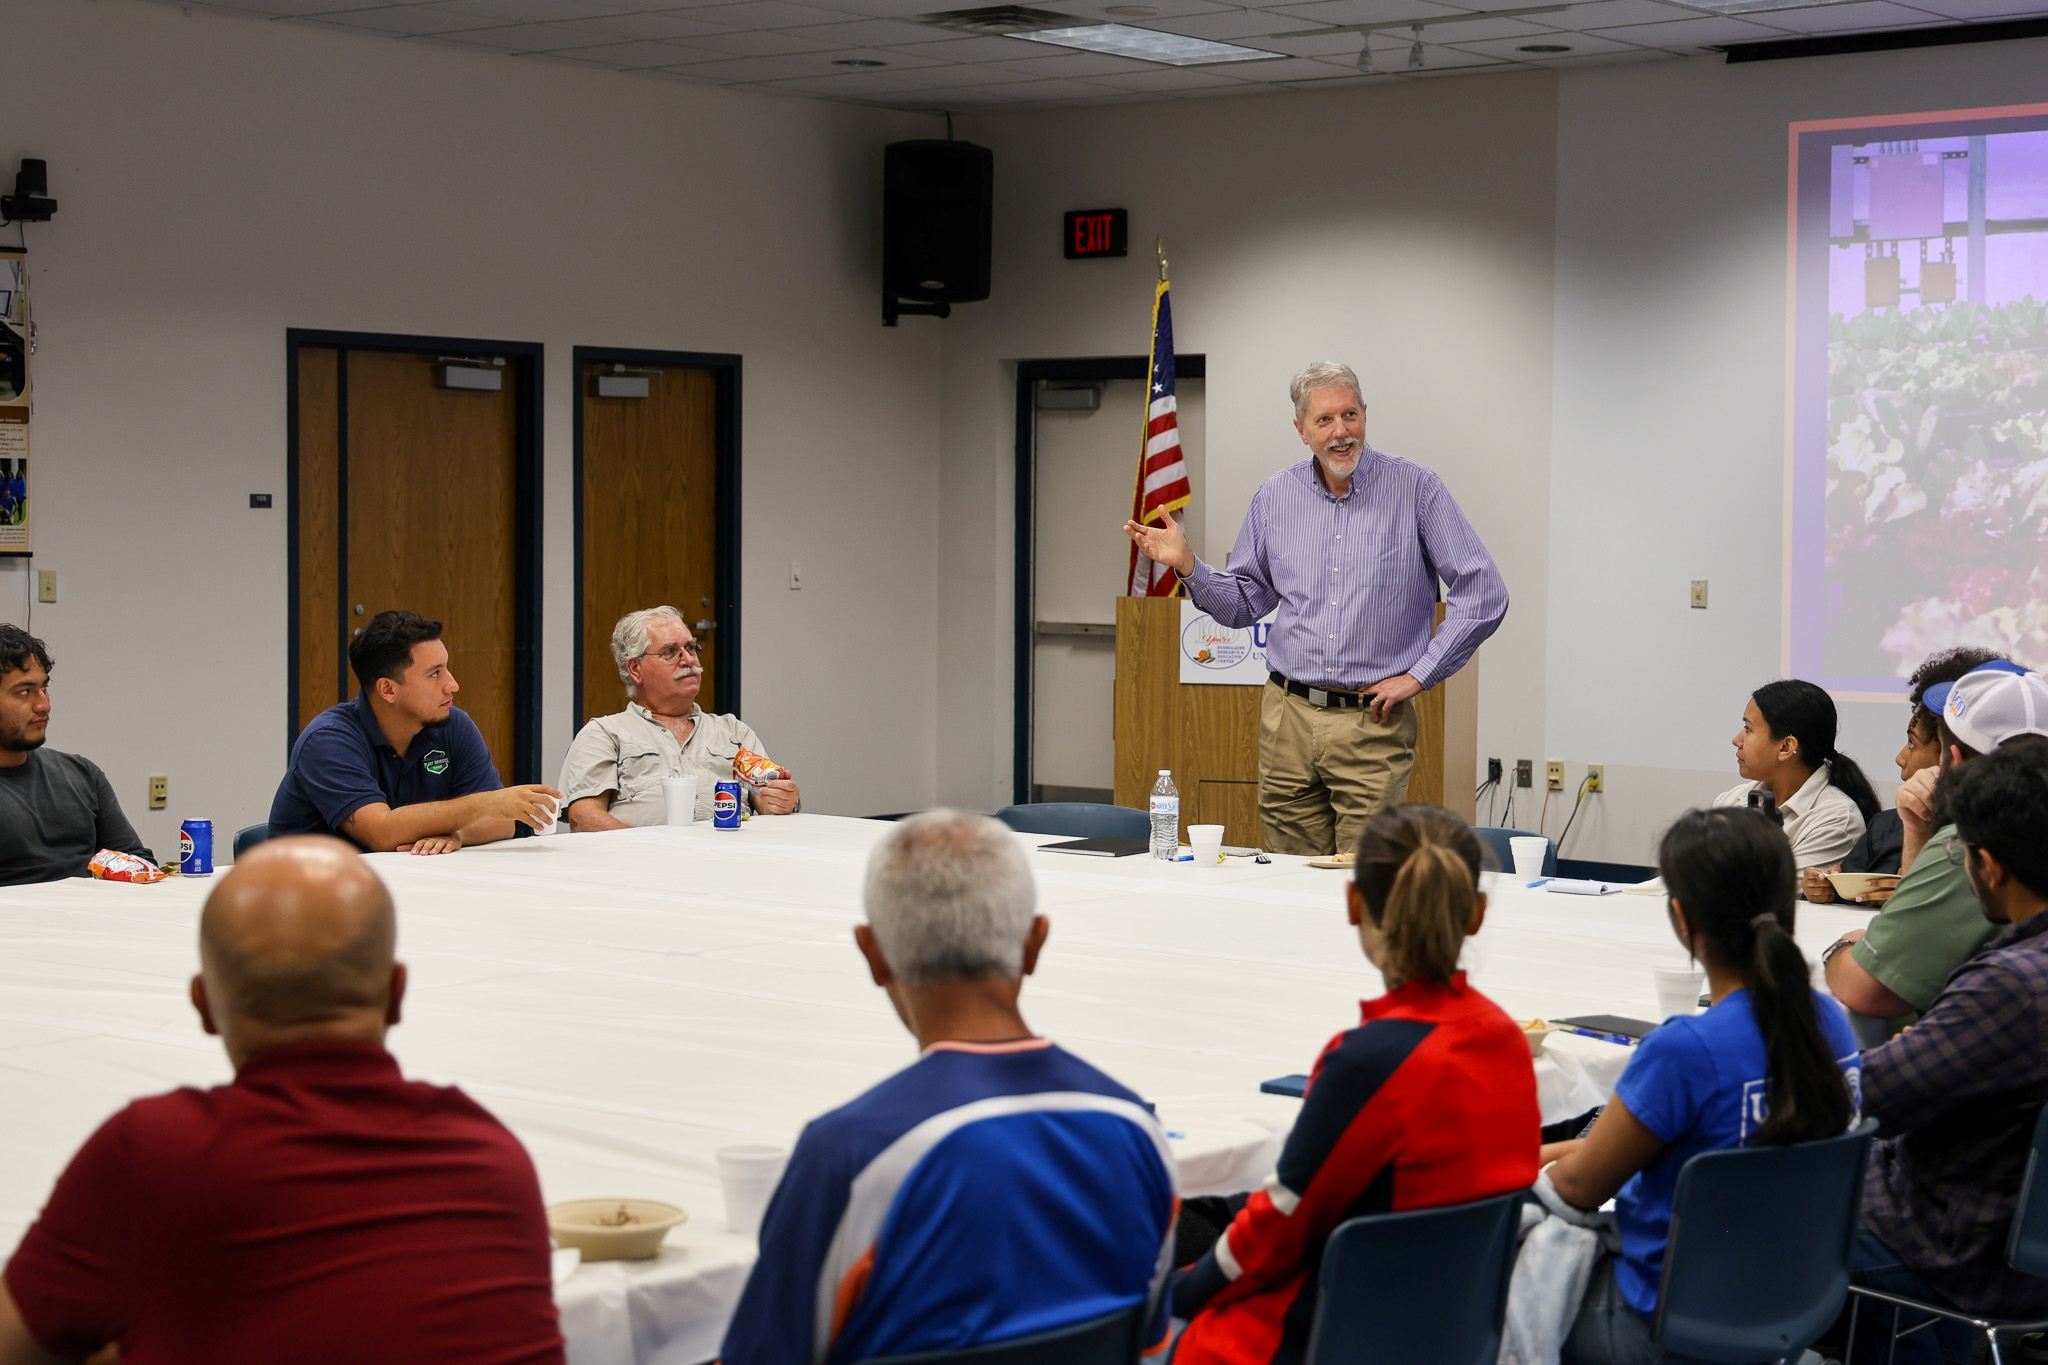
(650, 532)
(407, 496)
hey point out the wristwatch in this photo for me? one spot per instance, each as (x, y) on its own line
(1834, 948)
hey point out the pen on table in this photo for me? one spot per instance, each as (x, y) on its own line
(1185, 858)
(1601, 1034)
(1541, 881)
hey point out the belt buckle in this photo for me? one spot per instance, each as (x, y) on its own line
(1318, 697)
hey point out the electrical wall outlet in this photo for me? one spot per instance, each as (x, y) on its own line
(1699, 594)
(159, 791)
(1525, 772)
(1553, 775)
(1493, 770)
(796, 576)
(46, 585)
(1596, 777)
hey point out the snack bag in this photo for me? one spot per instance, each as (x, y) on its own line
(110, 866)
(755, 769)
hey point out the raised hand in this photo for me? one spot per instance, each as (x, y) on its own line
(1166, 544)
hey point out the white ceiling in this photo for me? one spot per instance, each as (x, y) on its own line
(800, 47)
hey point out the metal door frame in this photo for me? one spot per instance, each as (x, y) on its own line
(1025, 606)
(725, 512)
(527, 378)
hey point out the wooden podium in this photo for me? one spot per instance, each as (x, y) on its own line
(1209, 735)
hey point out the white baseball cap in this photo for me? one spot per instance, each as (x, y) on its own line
(1989, 705)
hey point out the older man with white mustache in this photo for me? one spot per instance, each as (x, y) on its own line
(612, 776)
(1349, 545)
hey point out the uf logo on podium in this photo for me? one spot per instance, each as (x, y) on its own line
(1211, 652)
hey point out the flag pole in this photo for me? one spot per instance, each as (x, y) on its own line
(1159, 245)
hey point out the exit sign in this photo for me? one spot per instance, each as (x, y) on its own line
(1097, 232)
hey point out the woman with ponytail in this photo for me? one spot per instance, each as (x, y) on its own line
(1430, 1100)
(1785, 749)
(1771, 1062)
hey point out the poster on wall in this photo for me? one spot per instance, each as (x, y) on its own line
(1211, 652)
(14, 401)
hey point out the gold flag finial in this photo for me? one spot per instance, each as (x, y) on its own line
(1159, 244)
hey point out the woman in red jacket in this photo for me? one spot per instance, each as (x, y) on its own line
(1430, 1100)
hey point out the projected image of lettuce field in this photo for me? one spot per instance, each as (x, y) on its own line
(1920, 457)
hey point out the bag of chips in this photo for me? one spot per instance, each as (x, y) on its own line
(110, 866)
(755, 769)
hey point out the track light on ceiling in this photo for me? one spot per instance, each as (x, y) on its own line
(1415, 52)
(1365, 53)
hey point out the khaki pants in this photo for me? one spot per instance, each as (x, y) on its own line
(1323, 772)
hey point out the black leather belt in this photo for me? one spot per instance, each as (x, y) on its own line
(1321, 696)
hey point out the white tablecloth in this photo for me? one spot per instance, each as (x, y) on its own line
(630, 1002)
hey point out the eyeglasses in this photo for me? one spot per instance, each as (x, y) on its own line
(673, 654)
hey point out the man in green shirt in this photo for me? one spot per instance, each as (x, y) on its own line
(1932, 924)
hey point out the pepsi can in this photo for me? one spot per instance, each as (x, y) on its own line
(195, 848)
(725, 806)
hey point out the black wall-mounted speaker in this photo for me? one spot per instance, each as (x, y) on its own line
(937, 215)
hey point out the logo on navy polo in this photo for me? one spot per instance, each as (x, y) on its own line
(435, 762)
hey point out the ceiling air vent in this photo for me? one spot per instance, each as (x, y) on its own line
(995, 19)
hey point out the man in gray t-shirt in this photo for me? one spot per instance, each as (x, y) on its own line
(56, 809)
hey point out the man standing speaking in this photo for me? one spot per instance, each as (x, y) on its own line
(1349, 545)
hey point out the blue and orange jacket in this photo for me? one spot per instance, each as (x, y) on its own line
(1431, 1100)
(986, 1192)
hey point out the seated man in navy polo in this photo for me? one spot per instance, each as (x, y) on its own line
(401, 767)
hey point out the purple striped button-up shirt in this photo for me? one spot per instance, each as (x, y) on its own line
(1355, 577)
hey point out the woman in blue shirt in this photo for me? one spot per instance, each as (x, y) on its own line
(1771, 1062)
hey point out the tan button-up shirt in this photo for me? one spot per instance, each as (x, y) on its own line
(1821, 822)
(629, 753)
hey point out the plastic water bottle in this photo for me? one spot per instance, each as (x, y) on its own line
(1165, 817)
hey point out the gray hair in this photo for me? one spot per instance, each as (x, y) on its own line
(1321, 374)
(629, 640)
(950, 894)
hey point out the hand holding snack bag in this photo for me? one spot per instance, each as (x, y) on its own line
(755, 769)
(111, 866)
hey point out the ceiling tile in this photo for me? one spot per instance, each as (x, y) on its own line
(1230, 25)
(1639, 54)
(403, 19)
(762, 14)
(1689, 33)
(1840, 18)
(1368, 11)
(898, 59)
(296, 9)
(530, 11)
(734, 70)
(877, 33)
(1289, 69)
(766, 42)
(1479, 30)
(1979, 9)
(977, 50)
(1581, 44)
(1173, 78)
(642, 54)
(1613, 13)
(962, 77)
(845, 83)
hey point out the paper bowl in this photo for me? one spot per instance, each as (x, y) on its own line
(613, 1229)
(1535, 1031)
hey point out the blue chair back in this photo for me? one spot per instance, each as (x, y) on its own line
(1496, 837)
(1078, 820)
(1424, 1284)
(1113, 1339)
(2027, 1248)
(1758, 1261)
(248, 836)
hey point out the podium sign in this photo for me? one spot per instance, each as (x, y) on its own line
(1211, 652)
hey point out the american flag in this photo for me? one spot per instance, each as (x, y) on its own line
(1162, 485)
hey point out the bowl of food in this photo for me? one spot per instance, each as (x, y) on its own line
(1535, 1031)
(613, 1229)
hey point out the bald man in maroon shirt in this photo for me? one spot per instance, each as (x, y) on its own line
(321, 1208)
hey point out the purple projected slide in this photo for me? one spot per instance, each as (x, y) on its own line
(1918, 419)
